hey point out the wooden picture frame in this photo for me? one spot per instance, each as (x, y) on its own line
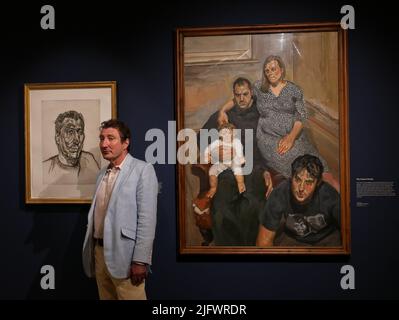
(62, 157)
(208, 60)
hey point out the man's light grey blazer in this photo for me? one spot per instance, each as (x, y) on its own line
(129, 225)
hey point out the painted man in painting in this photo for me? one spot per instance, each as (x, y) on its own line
(302, 211)
(235, 214)
(71, 165)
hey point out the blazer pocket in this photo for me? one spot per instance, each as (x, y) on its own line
(128, 233)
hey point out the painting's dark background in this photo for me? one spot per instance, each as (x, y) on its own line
(134, 46)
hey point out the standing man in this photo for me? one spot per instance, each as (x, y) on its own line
(304, 211)
(121, 223)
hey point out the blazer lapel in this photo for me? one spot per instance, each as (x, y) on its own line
(122, 176)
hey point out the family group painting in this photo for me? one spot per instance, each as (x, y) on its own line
(288, 83)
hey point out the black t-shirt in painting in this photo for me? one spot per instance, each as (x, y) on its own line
(309, 222)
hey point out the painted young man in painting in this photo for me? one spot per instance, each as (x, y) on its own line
(302, 211)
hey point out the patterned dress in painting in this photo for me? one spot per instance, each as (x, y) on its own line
(277, 117)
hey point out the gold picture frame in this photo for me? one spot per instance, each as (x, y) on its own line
(62, 157)
(207, 62)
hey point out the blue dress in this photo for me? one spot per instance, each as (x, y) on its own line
(277, 117)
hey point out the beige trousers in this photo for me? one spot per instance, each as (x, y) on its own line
(110, 288)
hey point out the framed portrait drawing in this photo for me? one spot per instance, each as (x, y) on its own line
(62, 157)
(262, 112)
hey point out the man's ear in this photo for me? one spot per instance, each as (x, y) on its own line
(127, 142)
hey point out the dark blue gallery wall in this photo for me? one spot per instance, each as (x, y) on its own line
(135, 48)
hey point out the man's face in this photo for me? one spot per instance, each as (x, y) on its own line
(303, 186)
(273, 72)
(70, 139)
(242, 95)
(111, 145)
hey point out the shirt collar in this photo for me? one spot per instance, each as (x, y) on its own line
(118, 167)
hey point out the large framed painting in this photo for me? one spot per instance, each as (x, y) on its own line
(62, 157)
(263, 150)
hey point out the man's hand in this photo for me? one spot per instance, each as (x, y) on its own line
(222, 118)
(138, 273)
(265, 237)
(268, 183)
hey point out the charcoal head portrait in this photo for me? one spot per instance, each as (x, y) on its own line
(69, 137)
(72, 165)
